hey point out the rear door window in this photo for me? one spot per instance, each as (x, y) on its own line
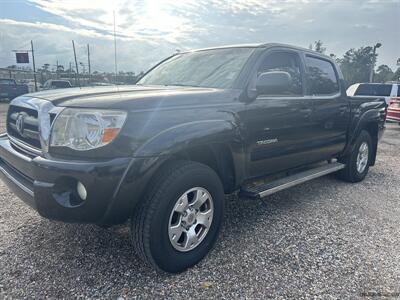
(374, 89)
(321, 77)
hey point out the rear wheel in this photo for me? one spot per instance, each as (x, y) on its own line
(180, 218)
(358, 161)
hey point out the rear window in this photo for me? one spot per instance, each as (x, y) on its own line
(321, 77)
(60, 84)
(366, 89)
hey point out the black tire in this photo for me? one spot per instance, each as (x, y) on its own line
(150, 221)
(350, 173)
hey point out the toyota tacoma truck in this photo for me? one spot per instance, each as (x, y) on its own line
(251, 119)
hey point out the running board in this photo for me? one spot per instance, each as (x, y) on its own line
(263, 190)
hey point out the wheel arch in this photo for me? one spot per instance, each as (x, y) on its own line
(371, 120)
(216, 144)
(216, 156)
(372, 127)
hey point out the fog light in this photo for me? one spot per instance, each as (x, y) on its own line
(81, 190)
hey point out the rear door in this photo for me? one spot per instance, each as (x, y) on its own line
(331, 108)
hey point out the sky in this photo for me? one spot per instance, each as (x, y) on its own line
(150, 30)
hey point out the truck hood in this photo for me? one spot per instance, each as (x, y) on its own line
(135, 96)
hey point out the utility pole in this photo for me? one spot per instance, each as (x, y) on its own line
(371, 73)
(69, 71)
(88, 58)
(34, 67)
(115, 51)
(76, 64)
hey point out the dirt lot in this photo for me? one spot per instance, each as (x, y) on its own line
(323, 239)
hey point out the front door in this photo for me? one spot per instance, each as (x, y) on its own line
(278, 125)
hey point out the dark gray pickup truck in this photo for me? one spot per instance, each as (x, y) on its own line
(9, 89)
(198, 125)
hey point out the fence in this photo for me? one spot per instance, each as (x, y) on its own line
(26, 76)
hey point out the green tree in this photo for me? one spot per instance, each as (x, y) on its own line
(396, 75)
(383, 73)
(46, 67)
(60, 68)
(356, 64)
(317, 46)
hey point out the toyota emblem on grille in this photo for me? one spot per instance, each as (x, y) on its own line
(20, 123)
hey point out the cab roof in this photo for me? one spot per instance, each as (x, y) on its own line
(265, 46)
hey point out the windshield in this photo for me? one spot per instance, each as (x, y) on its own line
(217, 68)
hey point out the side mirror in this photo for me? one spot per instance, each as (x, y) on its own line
(275, 82)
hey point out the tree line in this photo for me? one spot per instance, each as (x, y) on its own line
(356, 64)
(58, 71)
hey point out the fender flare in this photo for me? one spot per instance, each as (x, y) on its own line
(196, 134)
(182, 136)
(374, 115)
(157, 150)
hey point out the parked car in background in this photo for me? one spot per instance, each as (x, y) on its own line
(386, 90)
(31, 85)
(393, 113)
(56, 84)
(9, 89)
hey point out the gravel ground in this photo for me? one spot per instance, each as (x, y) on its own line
(3, 111)
(323, 239)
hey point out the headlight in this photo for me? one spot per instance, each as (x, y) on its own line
(85, 129)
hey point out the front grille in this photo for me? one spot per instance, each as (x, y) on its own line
(29, 132)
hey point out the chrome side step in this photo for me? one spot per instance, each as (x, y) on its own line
(263, 190)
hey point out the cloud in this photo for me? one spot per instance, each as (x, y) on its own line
(149, 30)
(53, 43)
(55, 27)
(134, 18)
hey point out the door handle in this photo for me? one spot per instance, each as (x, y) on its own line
(306, 112)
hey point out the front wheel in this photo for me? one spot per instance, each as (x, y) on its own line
(180, 218)
(358, 161)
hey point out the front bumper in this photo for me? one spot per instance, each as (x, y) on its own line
(46, 183)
